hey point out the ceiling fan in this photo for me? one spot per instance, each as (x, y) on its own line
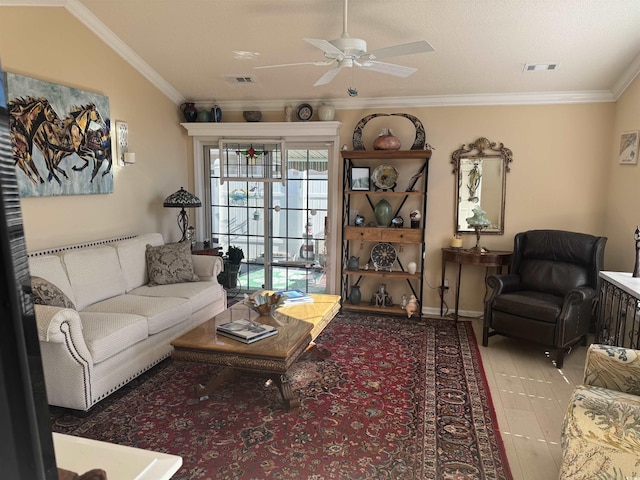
(352, 52)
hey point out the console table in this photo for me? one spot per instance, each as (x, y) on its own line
(462, 256)
(619, 310)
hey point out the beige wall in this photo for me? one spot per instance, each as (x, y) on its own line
(49, 44)
(623, 188)
(560, 176)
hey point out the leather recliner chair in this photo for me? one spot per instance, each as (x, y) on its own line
(549, 294)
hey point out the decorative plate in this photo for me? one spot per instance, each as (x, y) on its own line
(383, 255)
(304, 112)
(385, 177)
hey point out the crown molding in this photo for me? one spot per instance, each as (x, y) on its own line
(87, 18)
(627, 77)
(537, 98)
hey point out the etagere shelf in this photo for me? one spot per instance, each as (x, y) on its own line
(407, 194)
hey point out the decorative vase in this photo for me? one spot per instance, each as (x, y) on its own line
(383, 213)
(386, 141)
(412, 267)
(355, 296)
(353, 263)
(216, 114)
(189, 111)
(204, 116)
(326, 112)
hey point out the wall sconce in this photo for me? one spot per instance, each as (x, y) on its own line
(122, 145)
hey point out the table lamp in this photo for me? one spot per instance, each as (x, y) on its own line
(478, 222)
(182, 199)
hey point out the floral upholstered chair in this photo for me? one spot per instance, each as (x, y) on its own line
(601, 431)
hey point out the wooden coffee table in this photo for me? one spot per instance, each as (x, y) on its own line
(298, 326)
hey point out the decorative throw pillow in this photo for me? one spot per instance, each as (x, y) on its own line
(170, 263)
(46, 293)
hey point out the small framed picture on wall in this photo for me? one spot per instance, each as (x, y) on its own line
(628, 153)
(359, 178)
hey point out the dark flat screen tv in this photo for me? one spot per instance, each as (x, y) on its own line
(26, 445)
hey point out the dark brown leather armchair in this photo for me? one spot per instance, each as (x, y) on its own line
(549, 294)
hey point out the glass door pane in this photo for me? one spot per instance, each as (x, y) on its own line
(280, 228)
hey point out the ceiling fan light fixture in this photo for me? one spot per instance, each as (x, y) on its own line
(350, 46)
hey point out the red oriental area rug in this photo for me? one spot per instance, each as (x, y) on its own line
(397, 399)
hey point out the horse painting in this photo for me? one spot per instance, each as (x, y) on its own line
(82, 132)
(26, 116)
(60, 136)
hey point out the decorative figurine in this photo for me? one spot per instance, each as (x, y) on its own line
(403, 305)
(412, 306)
(359, 221)
(415, 217)
(636, 268)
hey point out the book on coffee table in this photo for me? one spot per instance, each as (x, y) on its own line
(246, 331)
(294, 297)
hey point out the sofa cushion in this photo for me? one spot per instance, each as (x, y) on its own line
(50, 268)
(109, 333)
(46, 293)
(171, 263)
(160, 312)
(537, 305)
(198, 293)
(94, 274)
(131, 254)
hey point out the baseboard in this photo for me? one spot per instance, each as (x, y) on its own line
(435, 312)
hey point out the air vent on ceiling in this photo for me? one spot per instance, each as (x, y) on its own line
(240, 80)
(540, 67)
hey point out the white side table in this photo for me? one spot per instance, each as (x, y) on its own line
(118, 461)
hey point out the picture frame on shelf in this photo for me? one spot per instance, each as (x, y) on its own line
(628, 153)
(360, 178)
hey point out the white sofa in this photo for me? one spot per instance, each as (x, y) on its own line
(120, 326)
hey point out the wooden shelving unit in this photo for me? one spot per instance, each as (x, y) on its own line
(359, 240)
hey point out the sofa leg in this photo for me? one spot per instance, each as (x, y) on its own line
(559, 358)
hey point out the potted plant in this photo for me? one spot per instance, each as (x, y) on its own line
(228, 278)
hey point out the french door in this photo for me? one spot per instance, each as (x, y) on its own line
(277, 214)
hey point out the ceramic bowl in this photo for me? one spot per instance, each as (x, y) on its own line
(252, 115)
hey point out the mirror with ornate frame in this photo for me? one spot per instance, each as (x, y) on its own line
(481, 179)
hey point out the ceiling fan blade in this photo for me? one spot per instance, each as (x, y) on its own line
(326, 47)
(327, 77)
(397, 50)
(328, 62)
(389, 68)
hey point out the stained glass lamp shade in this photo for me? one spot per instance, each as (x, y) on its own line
(182, 199)
(478, 222)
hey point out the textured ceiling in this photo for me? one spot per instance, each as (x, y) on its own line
(481, 46)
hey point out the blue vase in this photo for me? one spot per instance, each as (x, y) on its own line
(383, 213)
(216, 114)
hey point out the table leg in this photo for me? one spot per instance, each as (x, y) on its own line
(444, 271)
(458, 291)
(286, 390)
(202, 392)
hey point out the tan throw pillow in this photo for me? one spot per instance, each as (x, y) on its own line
(46, 293)
(170, 263)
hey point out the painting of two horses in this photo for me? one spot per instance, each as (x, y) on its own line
(60, 137)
